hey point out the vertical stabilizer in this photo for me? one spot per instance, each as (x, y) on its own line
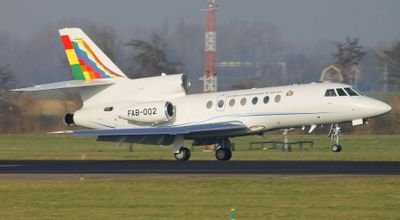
(86, 60)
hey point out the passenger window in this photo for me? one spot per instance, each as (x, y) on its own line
(266, 99)
(243, 101)
(232, 102)
(277, 98)
(254, 100)
(209, 104)
(220, 103)
(330, 92)
(108, 109)
(341, 92)
(350, 92)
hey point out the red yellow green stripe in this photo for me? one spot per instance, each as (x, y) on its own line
(84, 63)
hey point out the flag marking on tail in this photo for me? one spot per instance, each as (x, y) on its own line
(84, 63)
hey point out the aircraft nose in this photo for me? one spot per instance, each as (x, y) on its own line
(384, 108)
(375, 107)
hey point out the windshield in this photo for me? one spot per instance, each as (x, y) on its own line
(358, 91)
(351, 92)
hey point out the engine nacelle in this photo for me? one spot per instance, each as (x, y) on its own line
(149, 113)
(69, 119)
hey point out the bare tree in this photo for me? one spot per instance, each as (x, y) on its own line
(390, 60)
(348, 53)
(151, 57)
(7, 79)
(7, 106)
(347, 57)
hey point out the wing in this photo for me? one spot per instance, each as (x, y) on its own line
(65, 85)
(167, 130)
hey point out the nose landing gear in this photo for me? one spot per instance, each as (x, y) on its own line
(334, 134)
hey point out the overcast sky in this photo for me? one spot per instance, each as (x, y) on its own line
(300, 21)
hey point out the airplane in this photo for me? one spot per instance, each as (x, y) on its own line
(159, 111)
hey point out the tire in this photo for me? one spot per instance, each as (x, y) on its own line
(336, 148)
(229, 155)
(183, 155)
(223, 154)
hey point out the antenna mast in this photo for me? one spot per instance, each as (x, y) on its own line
(210, 74)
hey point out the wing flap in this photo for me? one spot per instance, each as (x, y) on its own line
(65, 85)
(167, 130)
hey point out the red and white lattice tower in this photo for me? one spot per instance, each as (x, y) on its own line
(210, 74)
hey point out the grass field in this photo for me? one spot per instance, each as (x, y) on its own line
(199, 197)
(202, 198)
(61, 147)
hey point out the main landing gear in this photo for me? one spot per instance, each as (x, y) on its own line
(334, 134)
(183, 154)
(223, 149)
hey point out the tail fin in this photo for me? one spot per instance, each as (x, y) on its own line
(87, 61)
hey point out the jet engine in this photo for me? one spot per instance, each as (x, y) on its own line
(149, 113)
(69, 119)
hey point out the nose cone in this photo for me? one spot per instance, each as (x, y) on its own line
(384, 108)
(373, 107)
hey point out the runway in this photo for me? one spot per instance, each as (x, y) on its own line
(198, 167)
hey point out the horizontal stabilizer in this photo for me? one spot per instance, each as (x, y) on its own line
(65, 85)
(167, 130)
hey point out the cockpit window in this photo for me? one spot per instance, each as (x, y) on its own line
(357, 91)
(351, 92)
(330, 92)
(341, 92)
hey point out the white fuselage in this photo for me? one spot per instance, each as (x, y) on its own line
(259, 109)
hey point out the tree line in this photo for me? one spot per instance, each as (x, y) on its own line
(152, 51)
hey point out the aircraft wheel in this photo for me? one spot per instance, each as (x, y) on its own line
(223, 154)
(183, 155)
(336, 148)
(229, 155)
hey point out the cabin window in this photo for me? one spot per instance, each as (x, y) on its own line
(220, 103)
(254, 100)
(277, 98)
(350, 92)
(266, 99)
(209, 104)
(232, 102)
(341, 92)
(243, 101)
(330, 93)
(108, 109)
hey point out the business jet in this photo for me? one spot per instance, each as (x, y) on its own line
(158, 110)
